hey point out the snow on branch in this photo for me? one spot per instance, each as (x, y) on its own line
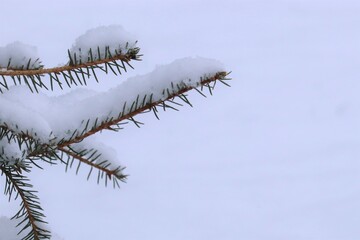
(11, 152)
(106, 49)
(56, 119)
(148, 103)
(37, 128)
(101, 43)
(19, 56)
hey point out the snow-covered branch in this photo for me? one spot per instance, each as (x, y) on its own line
(108, 49)
(35, 127)
(72, 117)
(148, 103)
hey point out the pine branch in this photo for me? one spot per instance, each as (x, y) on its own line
(23, 148)
(94, 160)
(46, 152)
(106, 125)
(17, 72)
(72, 74)
(30, 210)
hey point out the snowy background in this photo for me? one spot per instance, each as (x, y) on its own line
(274, 157)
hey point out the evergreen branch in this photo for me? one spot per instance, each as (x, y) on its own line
(114, 123)
(20, 148)
(30, 210)
(73, 73)
(66, 68)
(220, 76)
(91, 158)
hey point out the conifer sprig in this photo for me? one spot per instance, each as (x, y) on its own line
(65, 149)
(74, 73)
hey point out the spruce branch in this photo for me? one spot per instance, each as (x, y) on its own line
(93, 159)
(73, 73)
(47, 152)
(23, 145)
(30, 210)
(71, 67)
(144, 106)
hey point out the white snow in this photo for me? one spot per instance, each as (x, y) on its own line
(20, 55)
(113, 37)
(54, 118)
(10, 151)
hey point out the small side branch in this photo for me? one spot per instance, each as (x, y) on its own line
(92, 161)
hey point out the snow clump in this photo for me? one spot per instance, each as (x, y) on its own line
(18, 55)
(100, 42)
